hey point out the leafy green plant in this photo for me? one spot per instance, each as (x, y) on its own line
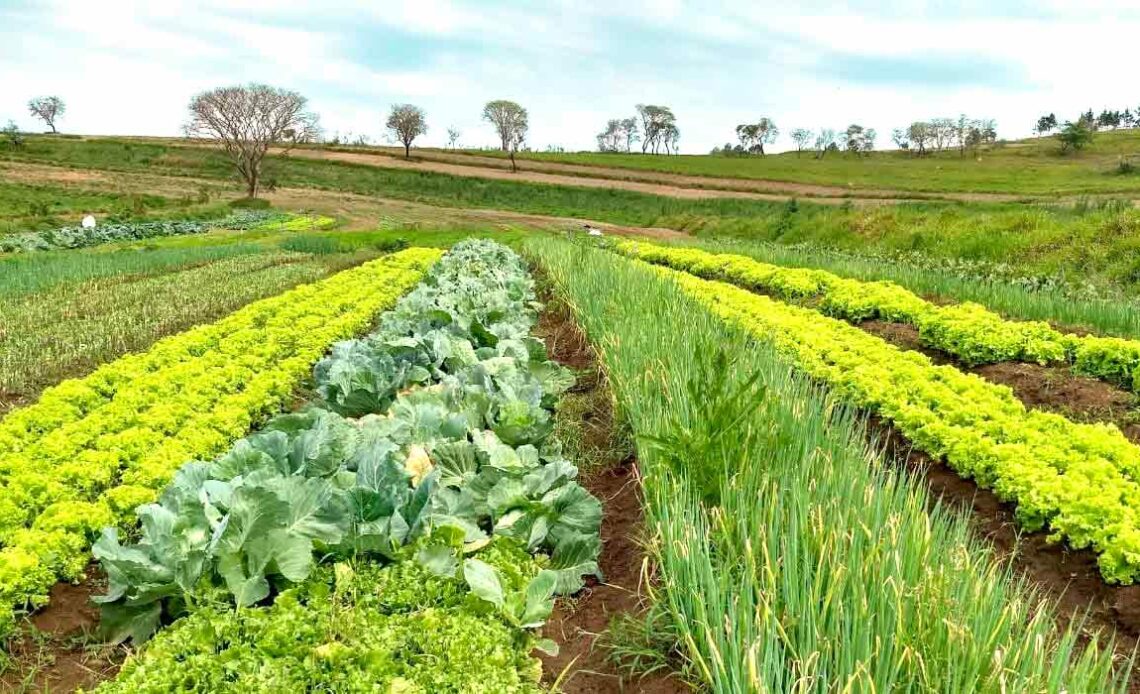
(464, 454)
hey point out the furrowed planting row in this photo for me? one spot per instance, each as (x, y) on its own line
(967, 331)
(788, 557)
(91, 449)
(425, 471)
(1079, 480)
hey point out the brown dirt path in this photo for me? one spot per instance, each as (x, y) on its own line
(359, 212)
(780, 189)
(621, 179)
(581, 666)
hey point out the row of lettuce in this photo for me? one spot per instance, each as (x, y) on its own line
(91, 449)
(1080, 481)
(788, 557)
(413, 522)
(80, 236)
(967, 331)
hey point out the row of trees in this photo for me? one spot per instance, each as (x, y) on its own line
(940, 134)
(856, 139)
(249, 120)
(1105, 120)
(655, 127)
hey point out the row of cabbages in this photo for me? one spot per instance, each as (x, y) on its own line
(79, 236)
(428, 439)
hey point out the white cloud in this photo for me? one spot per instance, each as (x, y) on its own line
(130, 67)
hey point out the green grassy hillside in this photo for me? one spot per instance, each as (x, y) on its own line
(1031, 167)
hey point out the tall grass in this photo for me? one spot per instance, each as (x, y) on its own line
(26, 274)
(791, 558)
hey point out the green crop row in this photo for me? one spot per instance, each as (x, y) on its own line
(1078, 480)
(429, 448)
(968, 331)
(90, 450)
(789, 556)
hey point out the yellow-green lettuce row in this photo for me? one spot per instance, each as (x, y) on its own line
(92, 449)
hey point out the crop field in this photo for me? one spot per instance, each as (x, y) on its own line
(728, 446)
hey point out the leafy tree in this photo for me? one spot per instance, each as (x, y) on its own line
(658, 127)
(1127, 119)
(1108, 119)
(48, 109)
(619, 135)
(753, 136)
(1045, 124)
(12, 136)
(920, 135)
(248, 120)
(407, 122)
(1075, 136)
(511, 123)
(859, 140)
(900, 138)
(802, 137)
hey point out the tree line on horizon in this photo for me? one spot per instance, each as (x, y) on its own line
(248, 120)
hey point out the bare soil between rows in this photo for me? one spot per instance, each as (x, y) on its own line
(1050, 388)
(1068, 577)
(581, 666)
(59, 649)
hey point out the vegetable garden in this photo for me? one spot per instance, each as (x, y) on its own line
(354, 474)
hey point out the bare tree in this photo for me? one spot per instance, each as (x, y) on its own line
(629, 128)
(453, 136)
(825, 142)
(610, 139)
(47, 109)
(619, 135)
(942, 132)
(753, 136)
(510, 121)
(802, 137)
(407, 122)
(248, 120)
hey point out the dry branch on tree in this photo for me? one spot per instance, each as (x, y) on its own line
(247, 121)
(47, 109)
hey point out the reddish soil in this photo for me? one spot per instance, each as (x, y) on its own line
(581, 667)
(1050, 388)
(1069, 577)
(59, 650)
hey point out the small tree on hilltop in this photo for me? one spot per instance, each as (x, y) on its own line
(1075, 136)
(407, 122)
(247, 121)
(511, 123)
(802, 137)
(12, 136)
(1045, 124)
(453, 137)
(753, 136)
(48, 109)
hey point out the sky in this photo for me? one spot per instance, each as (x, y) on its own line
(127, 68)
